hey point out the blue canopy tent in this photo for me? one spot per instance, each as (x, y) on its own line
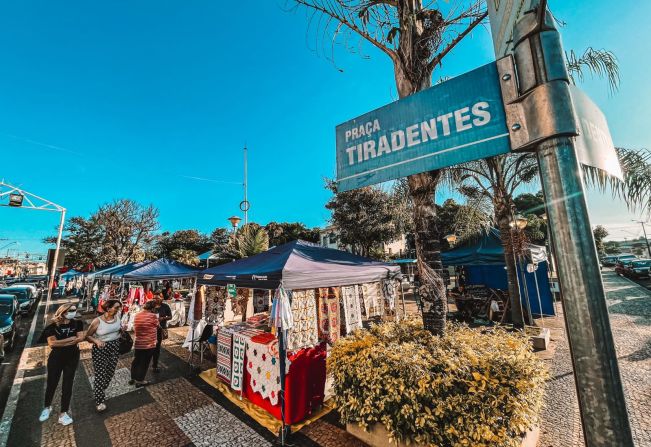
(483, 260)
(70, 274)
(160, 269)
(299, 265)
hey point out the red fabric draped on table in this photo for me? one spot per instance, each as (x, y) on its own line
(304, 386)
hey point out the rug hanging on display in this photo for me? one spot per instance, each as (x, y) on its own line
(224, 354)
(373, 299)
(389, 291)
(262, 362)
(215, 303)
(328, 313)
(260, 301)
(305, 331)
(351, 308)
(241, 336)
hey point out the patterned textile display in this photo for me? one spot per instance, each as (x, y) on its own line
(351, 309)
(373, 299)
(389, 292)
(262, 363)
(239, 303)
(241, 336)
(224, 354)
(304, 332)
(260, 301)
(328, 313)
(215, 302)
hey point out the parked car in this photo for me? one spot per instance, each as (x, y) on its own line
(36, 291)
(620, 267)
(26, 300)
(638, 268)
(8, 315)
(625, 258)
(609, 261)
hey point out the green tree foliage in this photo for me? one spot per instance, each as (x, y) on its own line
(249, 240)
(219, 239)
(183, 245)
(363, 217)
(600, 233)
(283, 232)
(611, 248)
(528, 203)
(117, 233)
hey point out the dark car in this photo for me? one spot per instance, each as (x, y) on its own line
(638, 268)
(609, 261)
(8, 315)
(25, 297)
(620, 267)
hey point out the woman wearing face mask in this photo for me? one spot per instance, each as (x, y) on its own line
(63, 336)
(104, 334)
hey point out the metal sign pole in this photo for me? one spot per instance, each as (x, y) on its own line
(541, 69)
(54, 264)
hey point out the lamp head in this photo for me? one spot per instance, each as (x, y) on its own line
(234, 220)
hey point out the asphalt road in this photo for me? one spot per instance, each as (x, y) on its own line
(10, 363)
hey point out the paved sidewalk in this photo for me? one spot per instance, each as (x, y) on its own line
(630, 316)
(179, 409)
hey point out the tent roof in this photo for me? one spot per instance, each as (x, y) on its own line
(487, 250)
(160, 269)
(299, 265)
(119, 270)
(70, 273)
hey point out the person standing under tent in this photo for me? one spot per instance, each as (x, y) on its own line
(164, 315)
(146, 328)
(148, 293)
(63, 336)
(167, 291)
(62, 286)
(104, 334)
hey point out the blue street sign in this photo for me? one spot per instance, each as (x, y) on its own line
(453, 122)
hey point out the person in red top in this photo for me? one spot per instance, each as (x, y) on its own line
(149, 295)
(145, 326)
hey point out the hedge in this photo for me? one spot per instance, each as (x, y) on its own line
(471, 387)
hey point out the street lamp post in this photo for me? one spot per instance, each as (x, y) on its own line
(648, 247)
(19, 198)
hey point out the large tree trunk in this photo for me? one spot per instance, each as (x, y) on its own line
(503, 218)
(412, 74)
(422, 188)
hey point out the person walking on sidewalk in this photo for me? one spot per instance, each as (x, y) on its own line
(164, 315)
(145, 327)
(104, 334)
(63, 336)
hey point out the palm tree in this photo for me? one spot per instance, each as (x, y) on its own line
(416, 38)
(249, 240)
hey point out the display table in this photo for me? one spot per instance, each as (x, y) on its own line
(304, 386)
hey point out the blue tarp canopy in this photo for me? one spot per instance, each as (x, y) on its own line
(160, 269)
(487, 250)
(70, 274)
(117, 271)
(299, 265)
(484, 264)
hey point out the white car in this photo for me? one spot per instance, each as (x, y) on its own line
(35, 291)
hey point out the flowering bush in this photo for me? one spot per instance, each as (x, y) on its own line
(469, 388)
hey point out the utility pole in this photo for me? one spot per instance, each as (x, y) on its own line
(245, 203)
(648, 247)
(543, 83)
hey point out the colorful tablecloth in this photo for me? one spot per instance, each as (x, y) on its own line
(351, 309)
(304, 332)
(328, 314)
(262, 363)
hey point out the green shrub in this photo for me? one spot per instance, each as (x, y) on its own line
(469, 388)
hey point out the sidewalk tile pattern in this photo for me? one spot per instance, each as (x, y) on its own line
(212, 425)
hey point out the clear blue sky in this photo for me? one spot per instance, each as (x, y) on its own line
(130, 99)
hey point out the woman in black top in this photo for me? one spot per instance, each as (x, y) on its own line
(63, 336)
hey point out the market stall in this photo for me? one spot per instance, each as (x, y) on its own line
(277, 312)
(483, 265)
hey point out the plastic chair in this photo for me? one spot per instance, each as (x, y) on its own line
(203, 343)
